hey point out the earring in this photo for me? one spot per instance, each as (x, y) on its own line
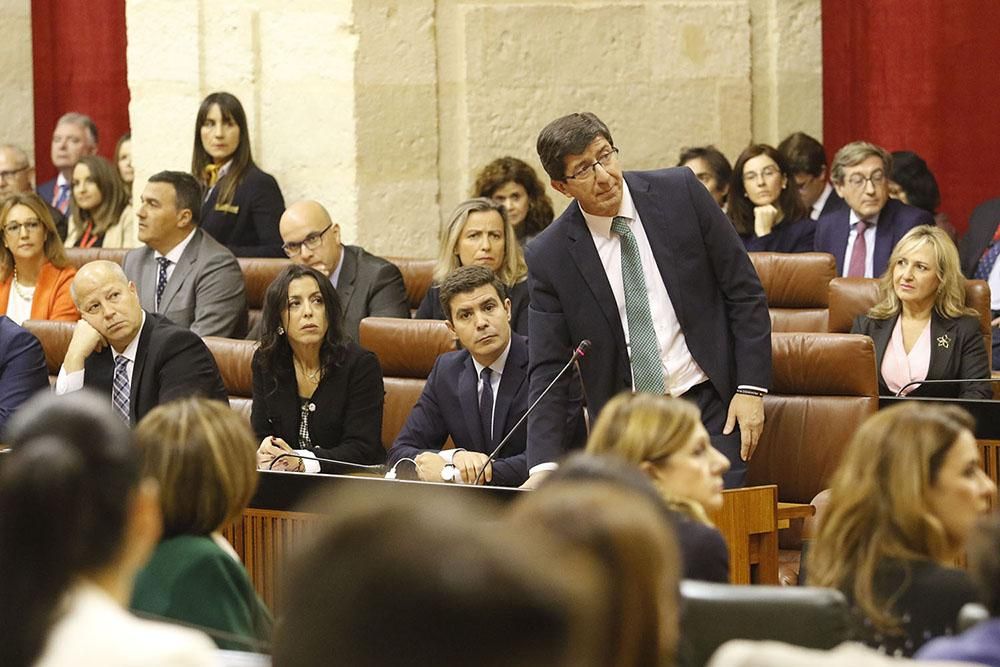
(281, 331)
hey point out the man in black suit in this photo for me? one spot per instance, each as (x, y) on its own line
(978, 250)
(368, 286)
(861, 235)
(139, 359)
(23, 372)
(647, 267)
(16, 174)
(75, 136)
(807, 162)
(452, 402)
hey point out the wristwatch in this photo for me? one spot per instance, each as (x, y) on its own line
(449, 472)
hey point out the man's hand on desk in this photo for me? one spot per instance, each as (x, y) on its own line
(470, 463)
(429, 466)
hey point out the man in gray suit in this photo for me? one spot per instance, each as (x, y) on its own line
(367, 285)
(182, 272)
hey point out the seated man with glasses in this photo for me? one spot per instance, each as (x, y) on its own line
(16, 174)
(368, 286)
(861, 235)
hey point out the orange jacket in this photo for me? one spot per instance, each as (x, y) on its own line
(52, 300)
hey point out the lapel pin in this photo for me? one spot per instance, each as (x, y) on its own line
(944, 341)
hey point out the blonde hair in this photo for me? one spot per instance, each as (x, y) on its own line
(648, 427)
(950, 298)
(512, 270)
(204, 457)
(879, 507)
(53, 247)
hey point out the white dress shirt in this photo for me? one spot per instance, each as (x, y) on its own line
(67, 382)
(19, 310)
(869, 244)
(817, 207)
(174, 256)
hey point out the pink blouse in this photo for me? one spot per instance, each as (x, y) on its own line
(900, 368)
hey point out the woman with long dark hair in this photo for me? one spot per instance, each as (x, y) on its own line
(315, 392)
(767, 213)
(242, 203)
(100, 215)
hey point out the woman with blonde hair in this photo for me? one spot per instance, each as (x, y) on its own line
(921, 327)
(202, 454)
(479, 232)
(665, 439)
(903, 503)
(34, 273)
(100, 215)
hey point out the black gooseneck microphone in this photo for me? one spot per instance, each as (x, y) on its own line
(580, 352)
(377, 468)
(899, 394)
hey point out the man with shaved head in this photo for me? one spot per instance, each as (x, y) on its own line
(138, 359)
(367, 285)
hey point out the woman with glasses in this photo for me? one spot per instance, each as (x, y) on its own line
(243, 204)
(514, 185)
(767, 213)
(479, 232)
(34, 273)
(100, 215)
(316, 393)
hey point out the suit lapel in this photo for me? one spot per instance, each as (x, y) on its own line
(468, 400)
(515, 373)
(141, 353)
(588, 262)
(943, 343)
(841, 232)
(883, 239)
(657, 233)
(147, 280)
(182, 272)
(345, 282)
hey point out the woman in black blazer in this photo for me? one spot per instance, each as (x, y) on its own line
(315, 392)
(921, 326)
(242, 203)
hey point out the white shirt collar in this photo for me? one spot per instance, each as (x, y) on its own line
(335, 276)
(498, 365)
(599, 224)
(133, 346)
(872, 222)
(175, 253)
(817, 207)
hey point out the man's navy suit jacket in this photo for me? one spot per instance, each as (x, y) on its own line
(449, 406)
(896, 218)
(23, 372)
(713, 287)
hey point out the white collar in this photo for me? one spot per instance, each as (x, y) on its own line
(498, 365)
(600, 224)
(133, 346)
(174, 255)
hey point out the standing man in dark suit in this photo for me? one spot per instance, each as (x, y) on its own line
(647, 267)
(978, 250)
(474, 395)
(23, 372)
(75, 136)
(368, 286)
(139, 359)
(807, 162)
(182, 272)
(861, 236)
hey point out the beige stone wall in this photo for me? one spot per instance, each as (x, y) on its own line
(385, 110)
(17, 100)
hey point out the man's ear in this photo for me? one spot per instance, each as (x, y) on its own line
(822, 172)
(185, 218)
(451, 327)
(839, 187)
(335, 230)
(560, 187)
(506, 306)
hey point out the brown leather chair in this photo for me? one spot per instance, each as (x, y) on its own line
(850, 297)
(823, 387)
(407, 350)
(258, 274)
(797, 288)
(234, 357)
(417, 277)
(54, 337)
(80, 256)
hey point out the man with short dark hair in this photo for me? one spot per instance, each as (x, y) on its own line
(74, 137)
(807, 162)
(647, 267)
(862, 234)
(368, 286)
(136, 358)
(16, 176)
(182, 272)
(474, 395)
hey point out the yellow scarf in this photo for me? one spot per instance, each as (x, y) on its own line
(212, 174)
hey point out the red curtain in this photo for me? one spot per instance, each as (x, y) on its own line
(918, 75)
(78, 47)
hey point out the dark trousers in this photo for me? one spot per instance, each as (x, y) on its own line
(713, 416)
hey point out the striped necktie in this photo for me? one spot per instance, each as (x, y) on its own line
(120, 389)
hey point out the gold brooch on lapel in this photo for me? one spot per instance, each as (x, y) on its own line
(944, 341)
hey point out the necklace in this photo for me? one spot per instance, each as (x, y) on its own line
(314, 376)
(20, 289)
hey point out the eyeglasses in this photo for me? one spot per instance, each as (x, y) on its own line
(605, 159)
(858, 182)
(293, 248)
(14, 228)
(766, 172)
(4, 175)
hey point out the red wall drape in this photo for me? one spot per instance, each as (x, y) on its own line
(78, 48)
(918, 75)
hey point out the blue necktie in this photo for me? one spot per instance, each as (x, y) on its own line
(486, 405)
(161, 280)
(120, 389)
(62, 198)
(985, 266)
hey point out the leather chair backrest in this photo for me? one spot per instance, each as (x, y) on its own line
(406, 350)
(258, 274)
(54, 337)
(796, 285)
(80, 256)
(417, 277)
(234, 358)
(803, 616)
(823, 387)
(850, 297)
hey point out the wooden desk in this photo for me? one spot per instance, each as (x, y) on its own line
(748, 521)
(787, 512)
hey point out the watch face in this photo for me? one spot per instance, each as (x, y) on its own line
(449, 472)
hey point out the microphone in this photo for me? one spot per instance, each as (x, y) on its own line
(899, 394)
(580, 352)
(377, 468)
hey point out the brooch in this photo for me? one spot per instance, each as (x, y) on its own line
(944, 341)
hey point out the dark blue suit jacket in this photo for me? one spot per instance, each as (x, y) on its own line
(979, 234)
(787, 236)
(47, 190)
(714, 289)
(449, 406)
(249, 226)
(22, 368)
(896, 218)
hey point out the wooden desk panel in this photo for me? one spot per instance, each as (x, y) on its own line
(749, 523)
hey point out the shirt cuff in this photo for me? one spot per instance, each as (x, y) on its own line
(542, 467)
(752, 388)
(449, 454)
(68, 382)
(309, 462)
